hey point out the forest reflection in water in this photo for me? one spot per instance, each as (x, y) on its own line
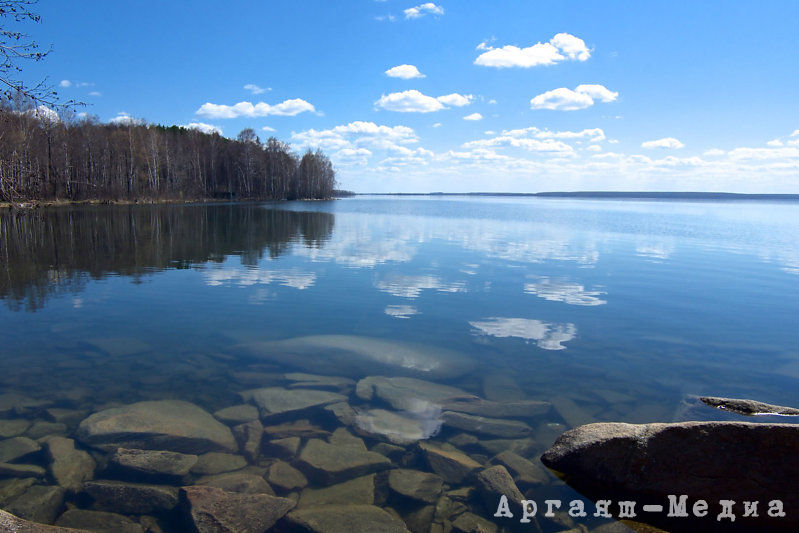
(56, 251)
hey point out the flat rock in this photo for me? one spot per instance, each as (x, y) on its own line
(502, 388)
(407, 394)
(11, 488)
(399, 428)
(709, 460)
(11, 402)
(152, 465)
(132, 498)
(237, 482)
(472, 523)
(353, 356)
(343, 412)
(421, 486)
(495, 427)
(481, 407)
(22, 471)
(42, 428)
(345, 519)
(13, 428)
(285, 477)
(342, 437)
(748, 407)
(16, 447)
(237, 414)
(217, 463)
(315, 381)
(171, 425)
(11, 523)
(452, 465)
(98, 521)
(330, 463)
(276, 403)
(69, 467)
(493, 483)
(298, 428)
(283, 448)
(358, 491)
(40, 503)
(249, 436)
(214, 510)
(572, 414)
(523, 471)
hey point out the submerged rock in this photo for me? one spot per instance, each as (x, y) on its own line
(496, 427)
(408, 394)
(399, 428)
(249, 436)
(330, 463)
(22, 471)
(11, 488)
(471, 523)
(276, 403)
(217, 463)
(524, 472)
(98, 521)
(345, 519)
(133, 498)
(70, 467)
(13, 428)
(152, 465)
(40, 503)
(11, 523)
(238, 482)
(713, 461)
(237, 414)
(172, 425)
(285, 477)
(214, 510)
(748, 407)
(360, 490)
(481, 407)
(315, 381)
(17, 447)
(452, 465)
(495, 482)
(350, 355)
(416, 485)
(285, 448)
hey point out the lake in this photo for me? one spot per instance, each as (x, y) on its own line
(608, 310)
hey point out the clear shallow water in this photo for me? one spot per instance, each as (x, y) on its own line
(612, 310)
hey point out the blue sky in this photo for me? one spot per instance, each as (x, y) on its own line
(559, 95)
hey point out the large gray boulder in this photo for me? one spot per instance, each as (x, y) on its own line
(277, 403)
(213, 510)
(712, 461)
(748, 407)
(171, 425)
(330, 463)
(9, 522)
(344, 519)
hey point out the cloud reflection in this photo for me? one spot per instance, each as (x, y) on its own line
(248, 277)
(406, 286)
(563, 291)
(548, 336)
(401, 311)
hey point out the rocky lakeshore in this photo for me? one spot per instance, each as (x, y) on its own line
(307, 452)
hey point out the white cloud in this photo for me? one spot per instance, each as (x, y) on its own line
(666, 142)
(594, 148)
(492, 101)
(408, 286)
(95, 93)
(533, 145)
(437, 125)
(246, 278)
(456, 100)
(405, 72)
(561, 47)
(473, 116)
(268, 128)
(413, 101)
(714, 152)
(795, 133)
(401, 311)
(422, 10)
(125, 119)
(254, 89)
(563, 99)
(563, 291)
(65, 83)
(203, 127)
(291, 107)
(45, 114)
(775, 142)
(597, 92)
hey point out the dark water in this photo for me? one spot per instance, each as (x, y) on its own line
(611, 310)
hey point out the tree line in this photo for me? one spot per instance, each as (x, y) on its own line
(44, 156)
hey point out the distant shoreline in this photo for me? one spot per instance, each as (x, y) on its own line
(634, 195)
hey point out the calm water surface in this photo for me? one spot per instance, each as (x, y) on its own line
(612, 310)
